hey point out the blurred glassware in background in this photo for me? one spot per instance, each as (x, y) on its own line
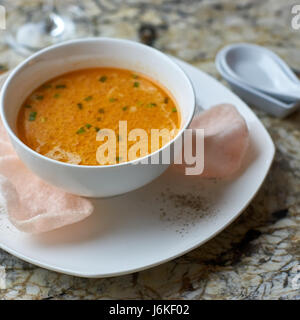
(33, 25)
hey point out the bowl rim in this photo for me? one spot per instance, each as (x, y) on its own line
(19, 68)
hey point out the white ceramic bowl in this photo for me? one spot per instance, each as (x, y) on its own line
(93, 181)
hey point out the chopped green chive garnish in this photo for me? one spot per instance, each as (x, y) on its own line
(101, 110)
(103, 78)
(89, 98)
(39, 97)
(136, 84)
(60, 86)
(47, 86)
(174, 110)
(135, 76)
(112, 99)
(151, 105)
(88, 125)
(81, 130)
(166, 100)
(124, 108)
(32, 115)
(79, 105)
(57, 95)
(28, 106)
(97, 129)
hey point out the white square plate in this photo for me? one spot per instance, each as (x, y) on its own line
(161, 221)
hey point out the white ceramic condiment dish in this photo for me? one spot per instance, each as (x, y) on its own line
(260, 69)
(250, 94)
(93, 181)
(257, 98)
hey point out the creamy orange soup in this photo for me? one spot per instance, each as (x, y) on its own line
(62, 118)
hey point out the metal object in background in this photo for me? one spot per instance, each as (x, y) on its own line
(44, 24)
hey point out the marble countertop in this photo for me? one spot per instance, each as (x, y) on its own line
(257, 256)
